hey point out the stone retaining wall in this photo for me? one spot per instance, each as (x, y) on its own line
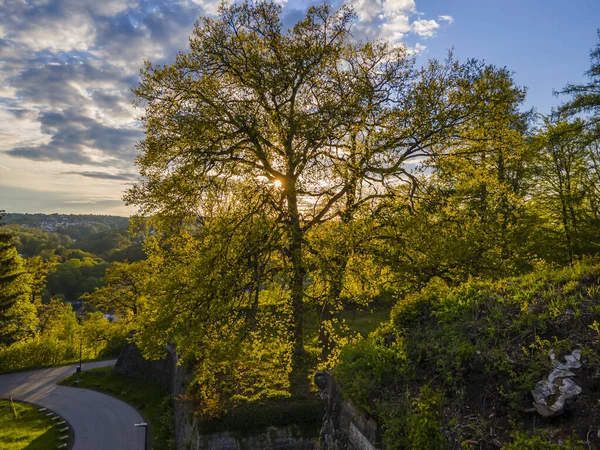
(344, 427)
(176, 378)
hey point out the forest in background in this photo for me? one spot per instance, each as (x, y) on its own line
(77, 248)
(295, 177)
(56, 260)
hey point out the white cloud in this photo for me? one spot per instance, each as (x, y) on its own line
(366, 10)
(391, 20)
(75, 31)
(210, 7)
(67, 66)
(20, 128)
(398, 6)
(395, 27)
(418, 48)
(425, 28)
(448, 19)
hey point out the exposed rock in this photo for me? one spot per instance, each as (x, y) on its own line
(550, 395)
(321, 379)
(572, 361)
(132, 363)
(344, 427)
(273, 438)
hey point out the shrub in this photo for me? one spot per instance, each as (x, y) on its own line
(482, 346)
(36, 353)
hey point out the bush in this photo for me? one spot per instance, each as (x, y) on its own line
(413, 424)
(482, 347)
(366, 370)
(36, 353)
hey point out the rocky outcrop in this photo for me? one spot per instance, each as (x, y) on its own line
(344, 427)
(272, 438)
(551, 395)
(132, 363)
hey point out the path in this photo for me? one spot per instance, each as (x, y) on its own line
(100, 422)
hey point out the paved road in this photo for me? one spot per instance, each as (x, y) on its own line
(100, 422)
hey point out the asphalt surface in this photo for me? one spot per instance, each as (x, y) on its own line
(99, 421)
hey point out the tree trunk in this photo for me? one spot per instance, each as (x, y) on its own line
(297, 378)
(566, 228)
(505, 209)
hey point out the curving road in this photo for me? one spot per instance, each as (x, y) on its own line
(100, 422)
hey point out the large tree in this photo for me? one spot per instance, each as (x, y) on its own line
(567, 190)
(320, 123)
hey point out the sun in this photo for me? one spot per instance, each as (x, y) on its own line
(277, 184)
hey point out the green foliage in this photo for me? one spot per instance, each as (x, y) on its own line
(57, 341)
(164, 425)
(17, 312)
(239, 365)
(312, 105)
(37, 353)
(413, 424)
(539, 441)
(567, 193)
(124, 290)
(75, 277)
(68, 254)
(14, 280)
(367, 370)
(479, 338)
(586, 97)
(248, 418)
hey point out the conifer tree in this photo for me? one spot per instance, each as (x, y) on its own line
(16, 311)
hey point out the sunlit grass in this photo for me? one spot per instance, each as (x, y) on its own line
(32, 430)
(361, 321)
(366, 321)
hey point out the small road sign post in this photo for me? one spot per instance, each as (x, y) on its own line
(145, 426)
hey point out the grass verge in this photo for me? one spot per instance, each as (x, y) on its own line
(31, 429)
(150, 399)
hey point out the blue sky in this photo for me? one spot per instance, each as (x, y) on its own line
(67, 126)
(545, 42)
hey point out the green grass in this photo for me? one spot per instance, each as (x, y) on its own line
(366, 321)
(361, 321)
(31, 430)
(150, 399)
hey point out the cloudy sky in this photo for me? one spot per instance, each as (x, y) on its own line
(67, 124)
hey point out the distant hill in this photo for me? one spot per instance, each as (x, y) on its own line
(56, 222)
(78, 247)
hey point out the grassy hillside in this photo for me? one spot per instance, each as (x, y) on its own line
(31, 429)
(454, 367)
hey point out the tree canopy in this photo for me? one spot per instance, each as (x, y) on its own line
(586, 96)
(17, 314)
(312, 122)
